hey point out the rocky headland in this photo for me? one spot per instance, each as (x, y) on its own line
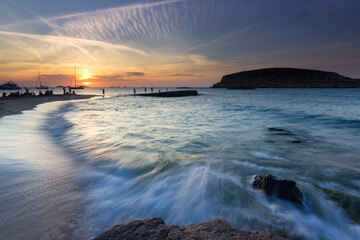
(286, 78)
(155, 228)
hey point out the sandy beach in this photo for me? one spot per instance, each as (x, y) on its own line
(15, 105)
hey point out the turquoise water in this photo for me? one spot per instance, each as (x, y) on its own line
(90, 164)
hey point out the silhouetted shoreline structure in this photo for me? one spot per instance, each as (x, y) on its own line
(170, 94)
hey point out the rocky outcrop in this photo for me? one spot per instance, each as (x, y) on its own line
(155, 228)
(283, 189)
(183, 93)
(286, 78)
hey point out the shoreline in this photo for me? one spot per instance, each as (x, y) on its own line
(16, 105)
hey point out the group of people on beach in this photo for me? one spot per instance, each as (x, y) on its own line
(18, 94)
(68, 92)
(28, 93)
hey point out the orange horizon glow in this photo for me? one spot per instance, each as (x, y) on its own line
(157, 76)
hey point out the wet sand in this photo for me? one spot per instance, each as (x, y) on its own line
(15, 105)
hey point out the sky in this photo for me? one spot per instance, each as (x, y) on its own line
(173, 42)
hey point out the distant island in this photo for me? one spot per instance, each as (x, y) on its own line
(286, 78)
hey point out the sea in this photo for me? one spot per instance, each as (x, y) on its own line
(70, 170)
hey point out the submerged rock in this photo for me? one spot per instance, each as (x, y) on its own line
(155, 228)
(284, 189)
(279, 130)
(350, 203)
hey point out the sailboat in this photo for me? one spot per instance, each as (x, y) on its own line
(75, 87)
(40, 85)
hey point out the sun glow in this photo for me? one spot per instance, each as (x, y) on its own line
(86, 74)
(86, 83)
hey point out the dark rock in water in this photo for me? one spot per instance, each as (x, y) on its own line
(183, 93)
(284, 189)
(278, 130)
(241, 88)
(155, 228)
(286, 78)
(350, 203)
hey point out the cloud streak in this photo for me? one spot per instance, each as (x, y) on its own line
(135, 74)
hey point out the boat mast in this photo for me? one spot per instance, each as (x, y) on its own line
(39, 80)
(75, 74)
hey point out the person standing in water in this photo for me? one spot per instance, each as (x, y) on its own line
(103, 91)
(134, 91)
(152, 89)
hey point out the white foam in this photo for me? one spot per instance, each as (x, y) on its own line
(265, 155)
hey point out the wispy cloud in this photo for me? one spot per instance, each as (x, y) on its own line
(135, 74)
(178, 39)
(108, 78)
(17, 47)
(182, 75)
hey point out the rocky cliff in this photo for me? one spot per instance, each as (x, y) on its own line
(286, 78)
(155, 228)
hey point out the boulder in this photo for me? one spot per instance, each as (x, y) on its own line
(155, 228)
(284, 189)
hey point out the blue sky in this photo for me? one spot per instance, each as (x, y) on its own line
(174, 42)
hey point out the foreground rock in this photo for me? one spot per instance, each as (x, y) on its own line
(286, 78)
(155, 228)
(279, 130)
(283, 189)
(170, 94)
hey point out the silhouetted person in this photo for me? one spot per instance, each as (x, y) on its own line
(134, 91)
(40, 93)
(152, 90)
(145, 90)
(27, 91)
(4, 94)
(103, 91)
(69, 90)
(64, 90)
(73, 92)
